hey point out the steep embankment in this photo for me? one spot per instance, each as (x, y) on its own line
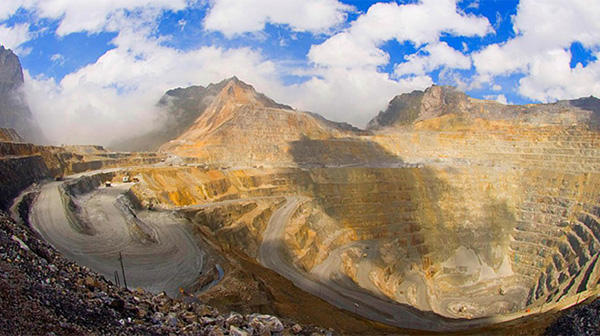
(14, 110)
(10, 135)
(17, 174)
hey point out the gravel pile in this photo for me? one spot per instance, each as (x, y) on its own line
(42, 293)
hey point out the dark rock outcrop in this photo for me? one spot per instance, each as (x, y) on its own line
(16, 174)
(14, 110)
(407, 108)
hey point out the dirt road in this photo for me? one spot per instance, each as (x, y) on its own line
(351, 299)
(174, 261)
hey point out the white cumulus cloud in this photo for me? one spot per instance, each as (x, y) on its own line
(545, 30)
(551, 77)
(351, 95)
(435, 56)
(13, 37)
(420, 23)
(89, 16)
(357, 53)
(232, 17)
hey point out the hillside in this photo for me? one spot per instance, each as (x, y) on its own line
(421, 108)
(243, 127)
(179, 108)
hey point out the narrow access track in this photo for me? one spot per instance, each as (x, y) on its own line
(175, 261)
(355, 300)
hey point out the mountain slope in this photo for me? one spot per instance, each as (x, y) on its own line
(461, 110)
(180, 107)
(14, 110)
(244, 127)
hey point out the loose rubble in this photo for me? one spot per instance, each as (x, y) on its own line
(580, 320)
(42, 293)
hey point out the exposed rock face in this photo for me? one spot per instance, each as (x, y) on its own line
(243, 127)
(11, 73)
(180, 108)
(407, 108)
(420, 106)
(10, 135)
(14, 110)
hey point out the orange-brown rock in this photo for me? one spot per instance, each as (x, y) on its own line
(244, 128)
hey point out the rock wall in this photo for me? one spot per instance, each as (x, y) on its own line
(14, 110)
(18, 173)
(237, 225)
(565, 149)
(24, 163)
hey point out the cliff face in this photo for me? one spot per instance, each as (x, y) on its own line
(421, 107)
(11, 73)
(14, 110)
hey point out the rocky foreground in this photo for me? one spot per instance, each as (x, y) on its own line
(42, 293)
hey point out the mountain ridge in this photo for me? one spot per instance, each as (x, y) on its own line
(239, 115)
(438, 101)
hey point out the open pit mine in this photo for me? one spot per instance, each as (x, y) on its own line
(447, 213)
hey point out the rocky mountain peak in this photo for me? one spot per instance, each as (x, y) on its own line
(236, 91)
(11, 73)
(183, 108)
(408, 108)
(436, 101)
(14, 110)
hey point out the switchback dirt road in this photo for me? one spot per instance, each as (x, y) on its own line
(173, 261)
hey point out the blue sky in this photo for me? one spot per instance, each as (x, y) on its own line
(98, 65)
